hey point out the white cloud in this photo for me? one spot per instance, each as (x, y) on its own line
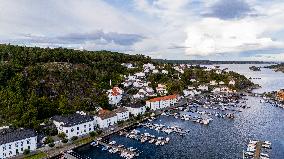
(212, 35)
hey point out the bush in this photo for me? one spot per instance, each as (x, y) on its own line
(93, 133)
(62, 135)
(74, 138)
(26, 151)
(64, 140)
(99, 132)
(51, 144)
(48, 140)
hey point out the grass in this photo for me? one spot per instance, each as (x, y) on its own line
(39, 155)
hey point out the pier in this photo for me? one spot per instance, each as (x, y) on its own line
(257, 150)
(121, 149)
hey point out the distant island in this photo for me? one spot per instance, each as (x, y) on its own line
(209, 62)
(278, 67)
(254, 68)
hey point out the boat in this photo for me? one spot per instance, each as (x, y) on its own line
(94, 143)
(105, 148)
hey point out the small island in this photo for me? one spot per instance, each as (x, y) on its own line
(276, 68)
(254, 68)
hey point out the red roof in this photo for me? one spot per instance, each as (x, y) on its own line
(163, 98)
(115, 91)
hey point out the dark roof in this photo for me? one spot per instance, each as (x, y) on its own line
(72, 120)
(120, 110)
(135, 105)
(11, 135)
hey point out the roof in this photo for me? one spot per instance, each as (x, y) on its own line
(105, 114)
(280, 95)
(72, 120)
(120, 110)
(135, 105)
(11, 135)
(163, 98)
(115, 91)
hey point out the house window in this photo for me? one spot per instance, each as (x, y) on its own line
(85, 126)
(22, 149)
(28, 142)
(77, 128)
(10, 146)
(90, 129)
(29, 147)
(67, 131)
(72, 130)
(22, 143)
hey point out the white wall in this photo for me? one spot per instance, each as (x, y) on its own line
(136, 111)
(104, 123)
(122, 116)
(10, 149)
(77, 130)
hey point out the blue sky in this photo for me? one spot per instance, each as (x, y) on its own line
(168, 29)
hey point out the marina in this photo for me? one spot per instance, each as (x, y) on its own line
(224, 136)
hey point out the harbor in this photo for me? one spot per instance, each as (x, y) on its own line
(225, 136)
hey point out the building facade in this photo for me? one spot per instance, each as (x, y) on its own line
(15, 141)
(74, 125)
(161, 102)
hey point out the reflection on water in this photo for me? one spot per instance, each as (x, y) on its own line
(222, 138)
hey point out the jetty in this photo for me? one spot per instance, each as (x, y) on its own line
(257, 150)
(121, 149)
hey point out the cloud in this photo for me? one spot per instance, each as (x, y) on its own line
(81, 38)
(231, 9)
(214, 36)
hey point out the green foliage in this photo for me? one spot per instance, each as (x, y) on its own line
(64, 140)
(62, 135)
(26, 151)
(51, 144)
(93, 134)
(74, 138)
(37, 83)
(48, 140)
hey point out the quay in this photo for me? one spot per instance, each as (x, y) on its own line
(121, 149)
(257, 150)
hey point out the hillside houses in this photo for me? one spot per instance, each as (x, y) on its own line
(106, 118)
(161, 89)
(115, 95)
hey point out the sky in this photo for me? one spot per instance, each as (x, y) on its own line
(164, 29)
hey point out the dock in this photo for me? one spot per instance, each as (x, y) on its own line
(121, 149)
(257, 150)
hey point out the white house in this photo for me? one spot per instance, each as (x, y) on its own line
(190, 87)
(106, 118)
(213, 83)
(139, 95)
(203, 88)
(232, 82)
(74, 125)
(221, 83)
(155, 71)
(149, 66)
(223, 89)
(147, 91)
(161, 102)
(15, 141)
(187, 92)
(165, 72)
(161, 89)
(138, 84)
(192, 80)
(140, 74)
(122, 114)
(136, 109)
(114, 95)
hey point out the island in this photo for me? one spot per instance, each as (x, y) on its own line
(254, 68)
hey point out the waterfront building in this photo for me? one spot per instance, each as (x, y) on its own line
(15, 141)
(136, 109)
(115, 95)
(74, 124)
(161, 102)
(122, 114)
(106, 118)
